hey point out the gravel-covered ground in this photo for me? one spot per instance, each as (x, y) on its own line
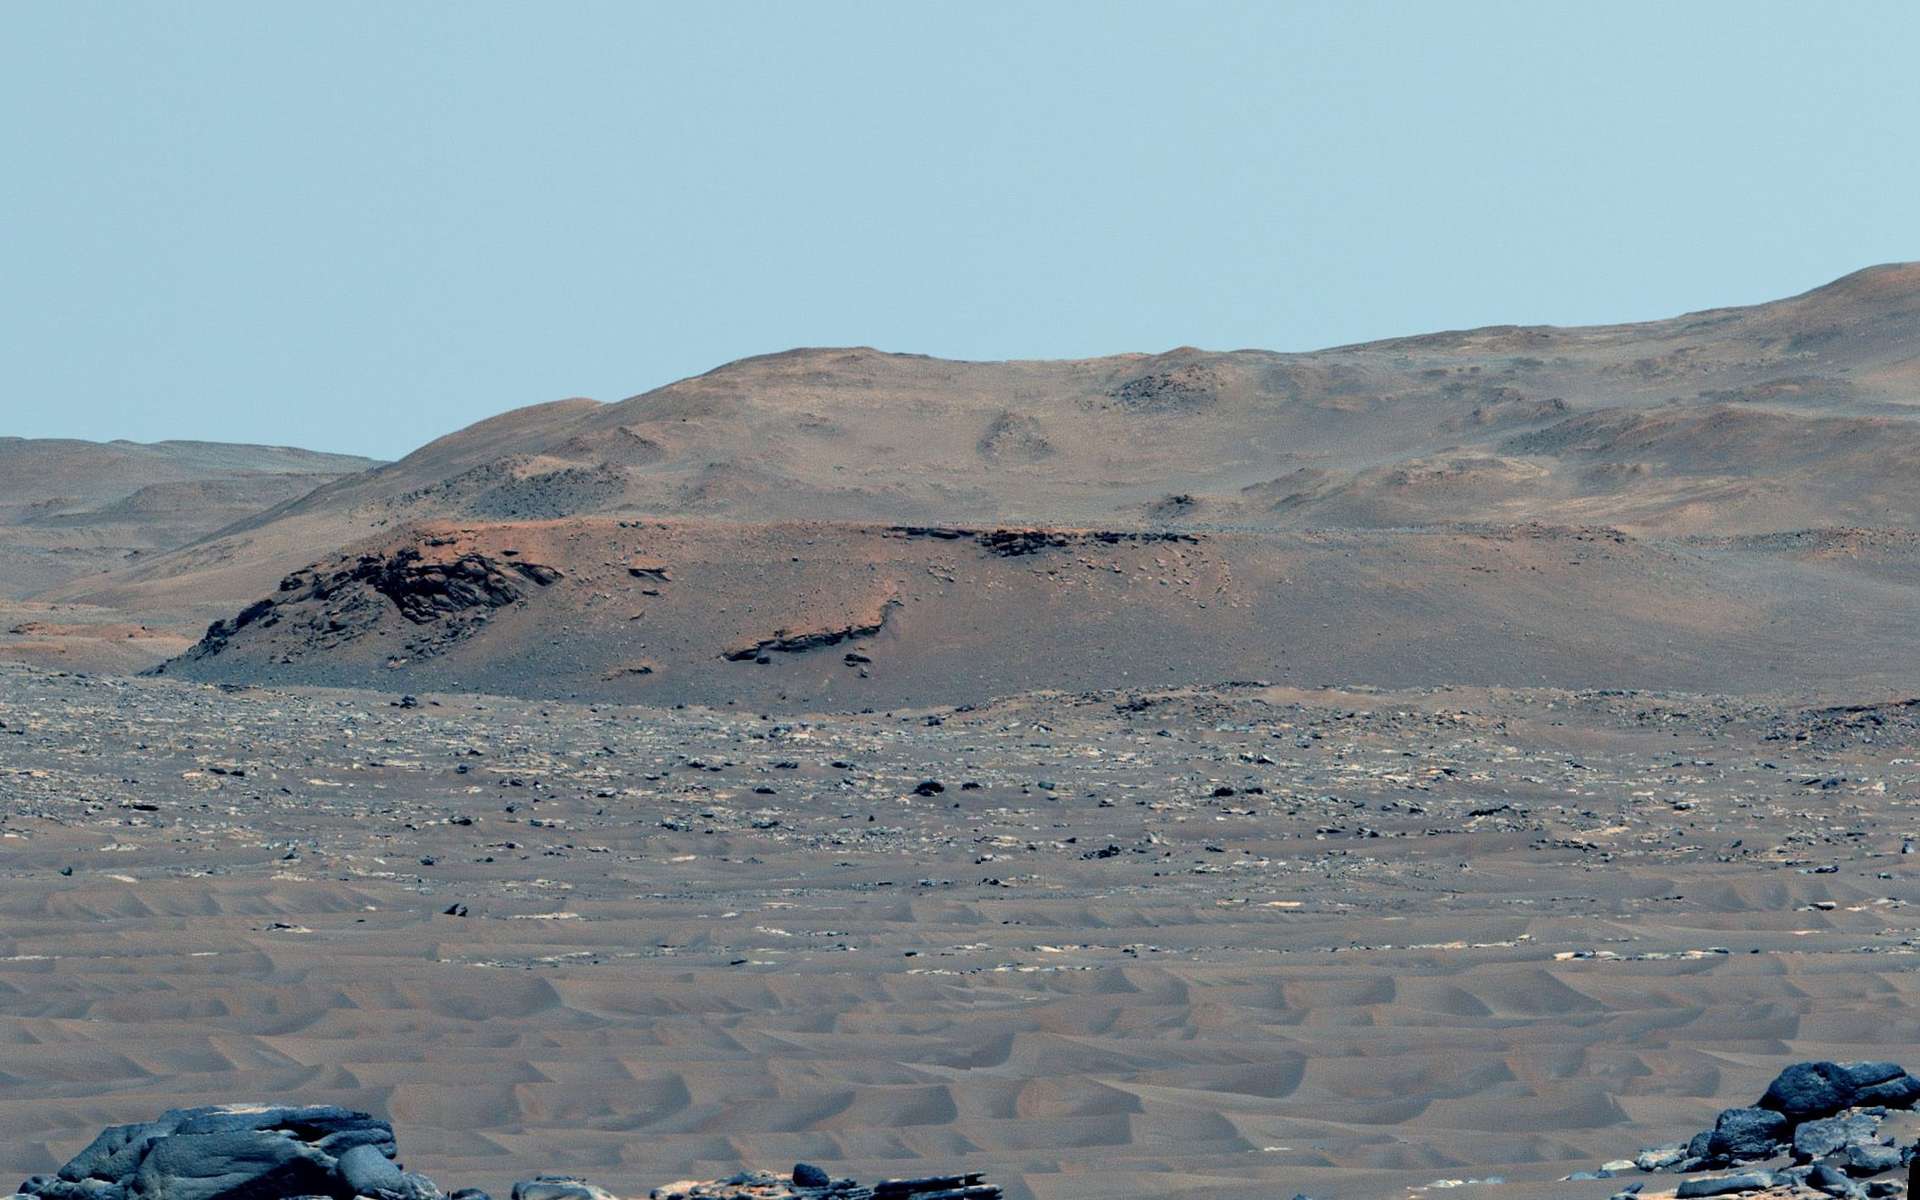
(1208, 942)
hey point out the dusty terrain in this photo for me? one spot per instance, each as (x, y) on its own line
(794, 616)
(72, 510)
(1461, 760)
(1624, 506)
(1199, 942)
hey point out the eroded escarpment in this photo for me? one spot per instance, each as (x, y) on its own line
(787, 642)
(1013, 543)
(324, 607)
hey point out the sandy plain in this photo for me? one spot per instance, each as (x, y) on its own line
(1202, 942)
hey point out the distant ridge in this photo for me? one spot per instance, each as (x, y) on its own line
(1649, 464)
(71, 508)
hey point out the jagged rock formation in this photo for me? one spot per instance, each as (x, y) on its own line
(452, 597)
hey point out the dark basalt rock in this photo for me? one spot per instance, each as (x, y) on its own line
(783, 642)
(371, 1173)
(349, 598)
(425, 592)
(1017, 543)
(1902, 1091)
(1742, 1134)
(1865, 1074)
(1866, 1160)
(1832, 1181)
(1827, 1114)
(237, 1153)
(810, 1176)
(1185, 388)
(1805, 1091)
(1817, 1139)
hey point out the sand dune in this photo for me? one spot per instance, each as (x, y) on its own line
(1558, 933)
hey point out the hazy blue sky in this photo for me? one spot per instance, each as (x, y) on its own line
(356, 226)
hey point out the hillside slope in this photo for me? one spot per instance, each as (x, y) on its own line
(842, 616)
(71, 509)
(1691, 445)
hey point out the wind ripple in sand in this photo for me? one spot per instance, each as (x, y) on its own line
(1363, 975)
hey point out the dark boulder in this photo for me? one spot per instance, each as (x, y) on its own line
(1871, 1159)
(1828, 1179)
(1747, 1133)
(1817, 1139)
(807, 1175)
(225, 1153)
(1901, 1091)
(1805, 1091)
(1865, 1074)
(372, 1174)
(234, 1165)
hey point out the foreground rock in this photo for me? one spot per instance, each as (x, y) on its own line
(1811, 1110)
(1826, 1116)
(264, 1152)
(238, 1152)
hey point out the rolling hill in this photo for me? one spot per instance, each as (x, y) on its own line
(1712, 498)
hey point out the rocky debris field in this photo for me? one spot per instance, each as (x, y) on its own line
(1195, 942)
